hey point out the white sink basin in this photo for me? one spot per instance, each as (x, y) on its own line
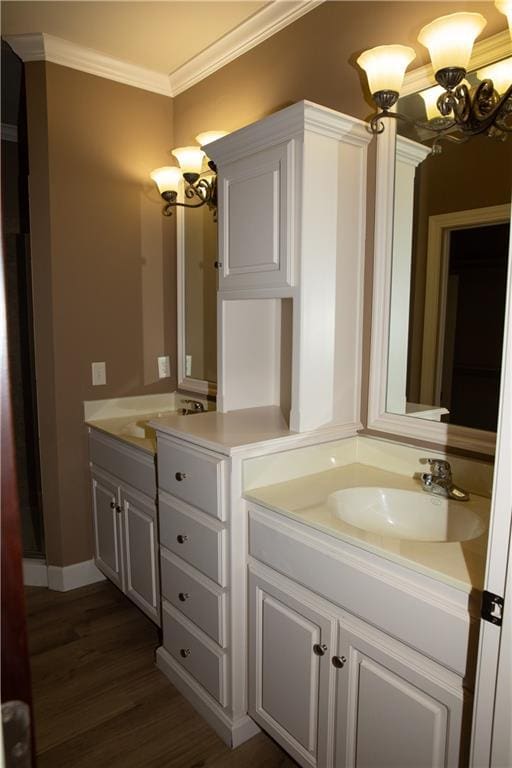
(401, 514)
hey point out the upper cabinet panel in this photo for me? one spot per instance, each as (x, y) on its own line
(255, 205)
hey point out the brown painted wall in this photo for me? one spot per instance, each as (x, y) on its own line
(104, 270)
(313, 58)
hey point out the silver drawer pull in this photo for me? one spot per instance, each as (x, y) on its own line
(180, 476)
(184, 652)
(181, 538)
(338, 661)
(183, 596)
(319, 649)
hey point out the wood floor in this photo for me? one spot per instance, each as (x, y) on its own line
(99, 700)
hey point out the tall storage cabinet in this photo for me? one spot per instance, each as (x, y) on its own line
(292, 229)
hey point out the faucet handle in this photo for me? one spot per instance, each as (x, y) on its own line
(440, 468)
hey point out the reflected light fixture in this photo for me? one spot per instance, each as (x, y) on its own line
(200, 186)
(452, 105)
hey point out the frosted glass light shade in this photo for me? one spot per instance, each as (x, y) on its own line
(500, 74)
(189, 158)
(505, 7)
(385, 66)
(167, 178)
(208, 136)
(450, 39)
(430, 97)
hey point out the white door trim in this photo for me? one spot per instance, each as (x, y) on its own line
(439, 228)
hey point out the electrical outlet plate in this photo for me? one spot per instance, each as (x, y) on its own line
(99, 374)
(164, 367)
(188, 365)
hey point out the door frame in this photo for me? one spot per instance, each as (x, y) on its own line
(491, 738)
(439, 230)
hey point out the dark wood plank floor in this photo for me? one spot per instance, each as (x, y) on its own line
(99, 699)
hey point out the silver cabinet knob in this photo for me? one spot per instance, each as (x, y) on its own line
(118, 509)
(180, 476)
(338, 661)
(184, 652)
(113, 505)
(181, 538)
(319, 649)
(217, 264)
(183, 596)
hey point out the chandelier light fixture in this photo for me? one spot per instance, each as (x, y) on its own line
(453, 106)
(200, 186)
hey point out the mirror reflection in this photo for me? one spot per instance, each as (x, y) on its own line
(200, 305)
(450, 259)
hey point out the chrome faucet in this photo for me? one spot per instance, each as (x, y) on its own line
(191, 406)
(439, 481)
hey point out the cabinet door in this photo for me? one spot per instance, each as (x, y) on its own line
(140, 537)
(289, 670)
(256, 225)
(107, 529)
(395, 708)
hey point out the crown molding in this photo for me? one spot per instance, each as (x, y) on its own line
(485, 52)
(43, 47)
(265, 23)
(262, 25)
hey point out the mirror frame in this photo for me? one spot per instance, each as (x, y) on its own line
(201, 386)
(379, 419)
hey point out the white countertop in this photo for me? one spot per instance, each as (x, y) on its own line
(120, 427)
(225, 432)
(460, 564)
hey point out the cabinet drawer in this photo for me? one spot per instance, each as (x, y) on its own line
(193, 536)
(195, 477)
(195, 653)
(197, 598)
(133, 467)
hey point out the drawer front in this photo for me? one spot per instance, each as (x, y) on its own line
(194, 477)
(135, 468)
(194, 537)
(198, 599)
(198, 655)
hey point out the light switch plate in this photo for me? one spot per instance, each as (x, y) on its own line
(164, 367)
(188, 365)
(99, 374)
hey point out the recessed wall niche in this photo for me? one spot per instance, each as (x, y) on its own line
(257, 363)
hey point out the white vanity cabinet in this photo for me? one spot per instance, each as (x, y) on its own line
(332, 687)
(125, 520)
(289, 679)
(197, 652)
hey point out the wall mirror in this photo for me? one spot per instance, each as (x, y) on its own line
(441, 268)
(197, 299)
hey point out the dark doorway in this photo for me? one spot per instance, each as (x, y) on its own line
(475, 316)
(17, 269)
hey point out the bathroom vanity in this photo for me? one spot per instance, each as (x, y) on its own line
(308, 584)
(362, 646)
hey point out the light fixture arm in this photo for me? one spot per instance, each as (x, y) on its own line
(205, 190)
(483, 111)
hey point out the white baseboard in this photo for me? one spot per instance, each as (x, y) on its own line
(73, 576)
(232, 732)
(35, 572)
